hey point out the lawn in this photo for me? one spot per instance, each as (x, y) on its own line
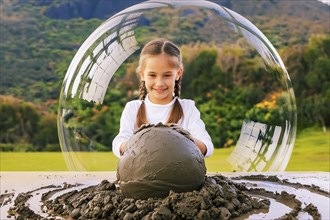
(311, 153)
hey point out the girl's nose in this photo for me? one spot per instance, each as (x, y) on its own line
(159, 81)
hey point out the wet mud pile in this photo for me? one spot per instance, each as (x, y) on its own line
(219, 198)
(157, 159)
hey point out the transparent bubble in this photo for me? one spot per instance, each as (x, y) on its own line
(246, 99)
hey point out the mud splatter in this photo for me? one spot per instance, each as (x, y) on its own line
(275, 179)
(297, 200)
(6, 198)
(313, 211)
(221, 197)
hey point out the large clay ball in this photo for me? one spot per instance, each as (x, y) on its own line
(158, 159)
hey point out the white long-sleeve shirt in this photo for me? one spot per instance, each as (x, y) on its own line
(156, 113)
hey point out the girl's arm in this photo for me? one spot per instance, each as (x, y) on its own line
(196, 127)
(127, 126)
(200, 144)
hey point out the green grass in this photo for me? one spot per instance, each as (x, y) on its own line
(218, 161)
(311, 153)
(21, 161)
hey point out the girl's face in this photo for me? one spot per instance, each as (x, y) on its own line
(159, 77)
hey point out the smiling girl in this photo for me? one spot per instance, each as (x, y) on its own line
(160, 70)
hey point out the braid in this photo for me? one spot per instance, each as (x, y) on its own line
(143, 90)
(177, 87)
(141, 117)
(177, 111)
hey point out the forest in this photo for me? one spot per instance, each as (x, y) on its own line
(33, 67)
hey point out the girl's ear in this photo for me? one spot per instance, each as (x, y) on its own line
(179, 74)
(141, 74)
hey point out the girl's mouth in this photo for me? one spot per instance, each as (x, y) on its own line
(159, 90)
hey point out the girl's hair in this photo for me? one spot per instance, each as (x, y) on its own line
(157, 47)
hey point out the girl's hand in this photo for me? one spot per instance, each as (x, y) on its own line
(186, 133)
(122, 147)
(143, 126)
(201, 146)
(181, 131)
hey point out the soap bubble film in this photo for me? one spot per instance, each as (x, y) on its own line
(101, 79)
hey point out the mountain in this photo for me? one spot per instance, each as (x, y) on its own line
(86, 9)
(38, 38)
(103, 9)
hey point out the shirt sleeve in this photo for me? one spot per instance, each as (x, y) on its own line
(127, 126)
(197, 129)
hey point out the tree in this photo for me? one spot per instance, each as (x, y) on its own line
(317, 58)
(46, 134)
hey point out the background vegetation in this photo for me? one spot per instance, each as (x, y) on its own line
(311, 153)
(36, 48)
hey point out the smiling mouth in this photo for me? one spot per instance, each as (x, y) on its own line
(160, 90)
